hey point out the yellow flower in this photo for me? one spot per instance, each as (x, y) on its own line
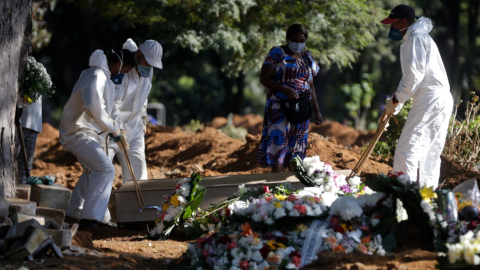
(271, 245)
(277, 204)
(174, 200)
(27, 99)
(459, 195)
(346, 227)
(156, 221)
(165, 207)
(427, 193)
(464, 204)
(280, 197)
(280, 245)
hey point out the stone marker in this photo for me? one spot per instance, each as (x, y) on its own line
(62, 238)
(56, 215)
(22, 206)
(27, 239)
(23, 192)
(51, 196)
(22, 248)
(77, 249)
(19, 218)
(74, 229)
(50, 224)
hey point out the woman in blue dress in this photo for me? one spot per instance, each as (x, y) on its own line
(287, 72)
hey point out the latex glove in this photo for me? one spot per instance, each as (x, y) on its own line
(116, 136)
(123, 139)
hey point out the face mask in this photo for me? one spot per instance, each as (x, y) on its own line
(296, 47)
(117, 79)
(143, 70)
(395, 34)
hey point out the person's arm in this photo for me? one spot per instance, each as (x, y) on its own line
(266, 78)
(95, 104)
(414, 61)
(313, 101)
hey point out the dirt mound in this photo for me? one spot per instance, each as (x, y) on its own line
(343, 134)
(253, 123)
(452, 174)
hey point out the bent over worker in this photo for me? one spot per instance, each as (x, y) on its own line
(424, 78)
(131, 98)
(86, 115)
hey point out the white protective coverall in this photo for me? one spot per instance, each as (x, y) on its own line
(424, 78)
(86, 114)
(131, 99)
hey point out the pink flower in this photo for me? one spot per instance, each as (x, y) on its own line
(205, 252)
(291, 197)
(362, 248)
(317, 199)
(269, 199)
(297, 261)
(300, 208)
(244, 265)
(232, 245)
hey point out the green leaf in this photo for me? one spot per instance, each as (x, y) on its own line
(197, 199)
(389, 242)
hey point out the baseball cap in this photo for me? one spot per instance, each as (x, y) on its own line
(153, 52)
(399, 12)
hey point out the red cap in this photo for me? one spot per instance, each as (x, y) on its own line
(389, 21)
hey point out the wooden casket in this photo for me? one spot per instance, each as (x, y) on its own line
(219, 188)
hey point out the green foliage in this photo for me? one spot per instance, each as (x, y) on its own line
(387, 149)
(233, 132)
(301, 173)
(359, 99)
(37, 81)
(194, 125)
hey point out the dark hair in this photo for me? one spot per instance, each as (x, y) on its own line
(116, 55)
(295, 29)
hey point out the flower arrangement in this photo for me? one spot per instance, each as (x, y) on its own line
(314, 173)
(37, 81)
(464, 253)
(179, 206)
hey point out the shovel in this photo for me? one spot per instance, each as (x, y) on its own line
(18, 115)
(357, 170)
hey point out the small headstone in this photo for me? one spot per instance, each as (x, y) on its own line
(51, 196)
(19, 218)
(77, 249)
(23, 192)
(26, 246)
(57, 215)
(62, 238)
(22, 206)
(74, 229)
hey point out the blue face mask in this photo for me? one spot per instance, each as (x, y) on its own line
(395, 34)
(143, 70)
(117, 79)
(296, 47)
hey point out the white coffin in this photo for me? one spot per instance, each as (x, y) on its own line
(219, 188)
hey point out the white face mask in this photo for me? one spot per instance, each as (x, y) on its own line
(296, 47)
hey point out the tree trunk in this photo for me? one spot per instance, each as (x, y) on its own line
(13, 23)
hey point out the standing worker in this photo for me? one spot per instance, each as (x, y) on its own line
(425, 80)
(131, 99)
(86, 115)
(31, 121)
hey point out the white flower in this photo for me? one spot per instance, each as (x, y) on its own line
(454, 252)
(470, 255)
(374, 222)
(168, 217)
(404, 179)
(203, 227)
(328, 198)
(339, 236)
(427, 208)
(346, 207)
(269, 221)
(370, 199)
(279, 213)
(242, 189)
(211, 227)
(289, 205)
(290, 266)
(381, 251)
(294, 213)
(181, 199)
(355, 181)
(355, 235)
(257, 256)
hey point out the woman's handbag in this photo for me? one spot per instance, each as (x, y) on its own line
(297, 111)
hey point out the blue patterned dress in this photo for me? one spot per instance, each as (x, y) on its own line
(280, 140)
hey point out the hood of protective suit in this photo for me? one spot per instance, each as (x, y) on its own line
(98, 59)
(423, 25)
(130, 45)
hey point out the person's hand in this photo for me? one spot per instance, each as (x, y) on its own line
(318, 118)
(290, 93)
(390, 108)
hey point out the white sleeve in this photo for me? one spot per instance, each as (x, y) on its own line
(92, 97)
(414, 63)
(119, 95)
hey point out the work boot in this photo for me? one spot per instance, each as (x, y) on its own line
(87, 223)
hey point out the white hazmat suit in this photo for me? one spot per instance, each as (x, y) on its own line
(87, 114)
(424, 78)
(131, 99)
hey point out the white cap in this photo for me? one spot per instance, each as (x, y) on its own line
(153, 52)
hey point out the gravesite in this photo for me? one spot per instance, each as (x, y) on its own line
(240, 134)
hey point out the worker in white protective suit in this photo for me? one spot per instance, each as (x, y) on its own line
(425, 80)
(88, 114)
(132, 99)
